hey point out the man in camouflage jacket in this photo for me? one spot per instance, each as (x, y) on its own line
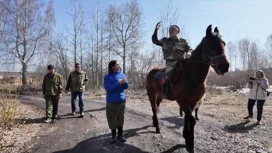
(174, 49)
(76, 83)
(52, 89)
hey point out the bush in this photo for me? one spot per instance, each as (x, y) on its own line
(214, 90)
(8, 107)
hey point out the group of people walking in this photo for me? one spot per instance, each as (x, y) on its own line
(115, 82)
(52, 91)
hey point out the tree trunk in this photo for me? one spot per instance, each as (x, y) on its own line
(24, 74)
(101, 58)
(124, 59)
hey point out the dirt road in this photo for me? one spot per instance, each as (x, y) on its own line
(220, 129)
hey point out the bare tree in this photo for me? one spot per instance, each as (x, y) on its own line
(99, 42)
(235, 55)
(146, 61)
(59, 49)
(76, 11)
(126, 23)
(263, 62)
(244, 48)
(254, 56)
(24, 25)
(169, 15)
(140, 66)
(231, 49)
(268, 45)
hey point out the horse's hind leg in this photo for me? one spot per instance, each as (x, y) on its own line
(155, 106)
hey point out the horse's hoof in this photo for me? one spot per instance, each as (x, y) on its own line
(158, 131)
(190, 150)
(196, 118)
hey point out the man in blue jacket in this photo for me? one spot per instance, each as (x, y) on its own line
(115, 83)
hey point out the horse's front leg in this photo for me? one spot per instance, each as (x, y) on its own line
(156, 123)
(188, 131)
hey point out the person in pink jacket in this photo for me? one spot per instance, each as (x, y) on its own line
(258, 85)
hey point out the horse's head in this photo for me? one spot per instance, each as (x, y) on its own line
(214, 51)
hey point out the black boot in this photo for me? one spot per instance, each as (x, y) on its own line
(164, 90)
(120, 135)
(81, 111)
(113, 133)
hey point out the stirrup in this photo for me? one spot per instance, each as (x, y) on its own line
(164, 92)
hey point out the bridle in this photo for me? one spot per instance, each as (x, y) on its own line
(208, 59)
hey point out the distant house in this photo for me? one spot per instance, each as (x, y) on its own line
(15, 78)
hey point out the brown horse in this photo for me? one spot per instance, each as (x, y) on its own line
(191, 85)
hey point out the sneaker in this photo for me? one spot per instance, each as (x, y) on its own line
(73, 113)
(53, 121)
(247, 117)
(259, 123)
(56, 117)
(47, 120)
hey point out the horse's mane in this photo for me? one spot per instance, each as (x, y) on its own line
(198, 48)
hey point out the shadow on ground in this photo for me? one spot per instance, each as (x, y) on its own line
(176, 120)
(242, 127)
(101, 144)
(93, 110)
(29, 120)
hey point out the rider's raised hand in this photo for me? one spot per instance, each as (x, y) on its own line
(158, 25)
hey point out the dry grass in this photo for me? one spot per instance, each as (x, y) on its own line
(95, 94)
(15, 132)
(27, 125)
(8, 106)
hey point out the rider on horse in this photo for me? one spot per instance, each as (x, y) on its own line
(174, 49)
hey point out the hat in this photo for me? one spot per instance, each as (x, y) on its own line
(176, 27)
(50, 67)
(77, 65)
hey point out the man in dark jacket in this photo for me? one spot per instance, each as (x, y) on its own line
(76, 83)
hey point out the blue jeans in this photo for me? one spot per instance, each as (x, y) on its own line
(260, 104)
(81, 102)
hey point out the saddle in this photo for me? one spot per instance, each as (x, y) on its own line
(175, 75)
